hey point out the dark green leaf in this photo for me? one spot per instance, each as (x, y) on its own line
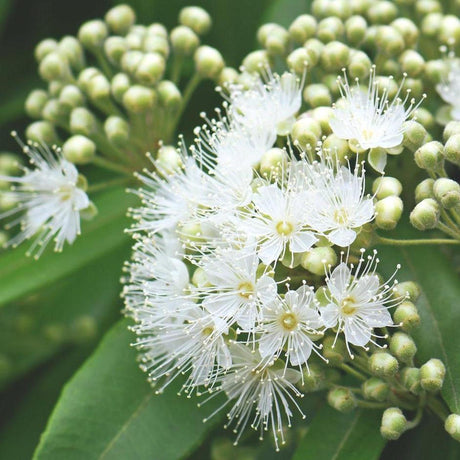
(108, 411)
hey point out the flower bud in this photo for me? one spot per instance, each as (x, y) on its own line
(412, 63)
(82, 121)
(71, 96)
(54, 111)
(382, 12)
(430, 156)
(3, 242)
(228, 76)
(256, 61)
(386, 186)
(432, 375)
(303, 28)
(452, 149)
(410, 378)
(139, 99)
(375, 389)
(208, 62)
(134, 40)
(329, 29)
(306, 132)
(360, 65)
(393, 423)
(150, 68)
(452, 128)
(44, 48)
(298, 60)
(71, 49)
(42, 132)
(9, 165)
(447, 192)
(335, 350)
(79, 149)
(317, 94)
(425, 118)
(335, 56)
(336, 146)
(115, 48)
(449, 32)
(389, 41)
(130, 60)
(431, 24)
(407, 316)
(424, 7)
(414, 135)
(184, 41)
(313, 378)
(169, 95)
(120, 18)
(408, 31)
(196, 18)
(408, 290)
(388, 211)
(55, 88)
(452, 426)
(273, 161)
(92, 34)
(54, 67)
(157, 29)
(265, 30)
(355, 29)
(382, 364)
(341, 399)
(318, 260)
(403, 347)
(117, 130)
(168, 160)
(84, 329)
(425, 215)
(119, 85)
(85, 76)
(35, 102)
(323, 115)
(156, 44)
(277, 42)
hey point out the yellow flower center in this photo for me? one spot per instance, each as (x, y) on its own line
(289, 321)
(367, 134)
(207, 331)
(284, 228)
(341, 216)
(246, 289)
(348, 306)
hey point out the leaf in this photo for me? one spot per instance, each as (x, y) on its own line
(336, 436)
(21, 275)
(108, 411)
(438, 306)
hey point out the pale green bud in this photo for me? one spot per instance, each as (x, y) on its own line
(335, 56)
(117, 130)
(382, 12)
(208, 62)
(169, 95)
(414, 86)
(130, 60)
(423, 7)
(86, 75)
(329, 29)
(169, 160)
(387, 84)
(303, 28)
(115, 48)
(414, 135)
(394, 424)
(425, 118)
(71, 96)
(9, 164)
(390, 67)
(119, 85)
(42, 132)
(370, 39)
(452, 426)
(44, 48)
(431, 24)
(430, 155)
(3, 241)
(71, 49)
(335, 350)
(139, 99)
(273, 161)
(403, 347)
(306, 132)
(452, 128)
(256, 61)
(337, 146)
(386, 186)
(432, 375)
(318, 260)
(317, 94)
(449, 31)
(410, 378)
(298, 60)
(228, 76)
(382, 364)
(324, 8)
(264, 31)
(314, 49)
(375, 389)
(412, 63)
(425, 215)
(407, 289)
(157, 29)
(55, 333)
(134, 40)
(388, 212)
(313, 378)
(156, 44)
(196, 18)
(436, 70)
(359, 65)
(390, 41)
(452, 149)
(184, 41)
(55, 88)
(98, 88)
(92, 34)
(323, 115)
(355, 29)
(82, 121)
(447, 192)
(408, 31)
(35, 102)
(54, 111)
(150, 68)
(54, 66)
(407, 316)
(341, 399)
(120, 19)
(79, 149)
(277, 41)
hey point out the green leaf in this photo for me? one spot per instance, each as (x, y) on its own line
(336, 436)
(438, 305)
(108, 411)
(21, 275)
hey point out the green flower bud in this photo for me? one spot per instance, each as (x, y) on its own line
(208, 62)
(265, 30)
(432, 375)
(54, 111)
(55, 88)
(414, 135)
(414, 86)
(306, 132)
(9, 164)
(360, 65)
(318, 260)
(117, 130)
(324, 8)
(139, 99)
(329, 29)
(341, 399)
(71, 49)
(79, 149)
(452, 128)
(130, 61)
(390, 41)
(431, 24)
(425, 215)
(303, 28)
(115, 48)
(323, 115)
(157, 29)
(44, 48)
(256, 61)
(370, 39)
(42, 132)
(54, 66)
(156, 44)
(375, 389)
(119, 85)
(407, 289)
(169, 95)
(277, 41)
(335, 350)
(313, 378)
(335, 56)
(273, 161)
(298, 60)
(150, 68)
(388, 85)
(382, 12)
(425, 118)
(407, 316)
(452, 426)
(168, 160)
(314, 49)
(386, 186)
(408, 31)
(436, 70)
(388, 211)
(134, 40)
(98, 88)
(3, 242)
(452, 149)
(394, 424)
(337, 146)
(430, 155)
(355, 29)
(382, 364)
(35, 102)
(412, 63)
(92, 34)
(196, 18)
(403, 347)
(410, 378)
(227, 77)
(449, 32)
(71, 96)
(317, 94)
(423, 7)
(120, 19)
(447, 192)
(184, 41)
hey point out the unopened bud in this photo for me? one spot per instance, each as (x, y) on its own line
(337, 147)
(403, 347)
(449, 32)
(117, 130)
(120, 19)
(298, 60)
(184, 40)
(306, 132)
(115, 48)
(382, 12)
(273, 161)
(388, 211)
(424, 190)
(425, 118)
(323, 115)
(375, 389)
(407, 316)
(82, 121)
(92, 34)
(447, 192)
(156, 44)
(355, 29)
(54, 67)
(408, 290)
(54, 111)
(335, 350)
(317, 95)
(130, 61)
(432, 375)
(42, 132)
(150, 68)
(157, 29)
(335, 56)
(318, 260)
(196, 18)
(329, 29)
(302, 28)
(407, 29)
(71, 49)
(228, 76)
(341, 399)
(430, 156)
(79, 149)
(119, 85)
(382, 364)
(169, 95)
(394, 423)
(452, 426)
(431, 24)
(44, 48)
(168, 160)
(452, 128)
(386, 186)
(410, 378)
(313, 378)
(139, 99)
(86, 75)
(277, 41)
(414, 135)
(208, 62)
(390, 41)
(55, 88)
(9, 164)
(452, 149)
(256, 61)
(35, 102)
(359, 65)
(425, 215)
(71, 96)
(412, 63)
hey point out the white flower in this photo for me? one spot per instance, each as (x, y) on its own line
(49, 200)
(370, 117)
(449, 89)
(288, 325)
(357, 301)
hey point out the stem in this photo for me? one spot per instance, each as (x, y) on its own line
(107, 164)
(348, 369)
(110, 183)
(448, 230)
(414, 242)
(437, 407)
(176, 68)
(370, 404)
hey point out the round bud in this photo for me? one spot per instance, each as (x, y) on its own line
(393, 423)
(317, 94)
(184, 41)
(334, 350)
(115, 48)
(407, 316)
(306, 132)
(208, 62)
(168, 160)
(410, 378)
(408, 31)
(157, 29)
(430, 156)
(432, 375)
(408, 290)
(360, 65)
(200, 278)
(318, 260)
(341, 399)
(117, 130)
(169, 95)
(414, 135)
(150, 68)
(412, 63)
(71, 49)
(45, 47)
(82, 121)
(302, 28)
(85, 76)
(55, 87)
(54, 66)
(388, 211)
(98, 88)
(42, 132)
(449, 32)
(130, 60)
(120, 19)
(436, 70)
(389, 41)
(54, 111)
(256, 61)
(323, 115)
(337, 147)
(156, 44)
(375, 389)
(92, 34)
(382, 12)
(134, 40)
(277, 41)
(196, 18)
(386, 186)
(119, 85)
(313, 378)
(273, 161)
(452, 149)
(403, 347)
(452, 128)
(425, 118)
(355, 29)
(335, 56)
(298, 60)
(425, 215)
(79, 149)
(35, 102)
(452, 426)
(329, 29)
(264, 31)
(228, 76)
(447, 192)
(382, 364)
(423, 7)
(431, 24)
(9, 164)
(71, 96)
(139, 99)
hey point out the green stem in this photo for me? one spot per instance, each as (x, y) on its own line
(107, 164)
(349, 370)
(176, 68)
(437, 407)
(448, 230)
(414, 242)
(371, 404)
